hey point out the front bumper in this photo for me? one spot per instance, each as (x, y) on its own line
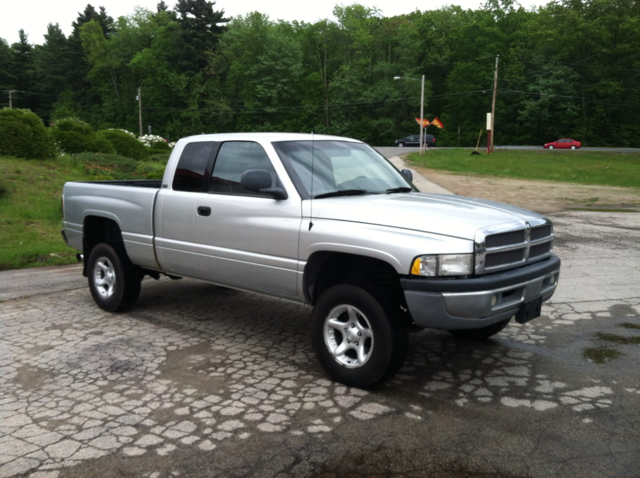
(455, 304)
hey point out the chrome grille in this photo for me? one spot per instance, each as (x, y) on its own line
(508, 246)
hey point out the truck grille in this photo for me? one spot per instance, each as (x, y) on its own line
(509, 246)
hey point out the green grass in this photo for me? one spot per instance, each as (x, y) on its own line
(30, 203)
(582, 167)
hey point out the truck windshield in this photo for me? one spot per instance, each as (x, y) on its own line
(338, 168)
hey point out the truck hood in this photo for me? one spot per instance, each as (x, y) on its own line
(456, 216)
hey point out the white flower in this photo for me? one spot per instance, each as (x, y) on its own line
(149, 139)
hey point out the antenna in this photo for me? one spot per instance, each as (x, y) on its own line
(313, 147)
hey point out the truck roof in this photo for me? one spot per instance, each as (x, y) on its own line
(265, 137)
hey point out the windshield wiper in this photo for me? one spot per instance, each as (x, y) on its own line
(341, 192)
(403, 189)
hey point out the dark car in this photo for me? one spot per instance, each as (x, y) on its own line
(564, 143)
(414, 140)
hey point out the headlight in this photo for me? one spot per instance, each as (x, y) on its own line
(443, 265)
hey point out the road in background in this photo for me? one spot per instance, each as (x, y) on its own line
(389, 151)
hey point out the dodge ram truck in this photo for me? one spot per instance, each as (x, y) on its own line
(325, 221)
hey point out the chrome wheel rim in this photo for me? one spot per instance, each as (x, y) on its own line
(348, 336)
(104, 277)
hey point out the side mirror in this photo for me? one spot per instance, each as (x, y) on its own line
(407, 174)
(259, 181)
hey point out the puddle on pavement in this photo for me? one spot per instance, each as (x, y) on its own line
(601, 355)
(604, 351)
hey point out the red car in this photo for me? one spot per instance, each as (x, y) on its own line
(564, 143)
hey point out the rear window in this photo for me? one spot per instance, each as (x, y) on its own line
(192, 166)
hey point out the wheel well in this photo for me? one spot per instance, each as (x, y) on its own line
(96, 230)
(326, 269)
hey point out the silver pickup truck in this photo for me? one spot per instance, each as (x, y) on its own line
(321, 220)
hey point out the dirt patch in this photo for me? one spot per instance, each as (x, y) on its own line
(545, 197)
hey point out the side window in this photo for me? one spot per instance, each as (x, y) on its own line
(234, 158)
(192, 166)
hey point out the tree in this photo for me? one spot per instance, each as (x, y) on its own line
(200, 28)
(7, 78)
(99, 53)
(51, 66)
(22, 68)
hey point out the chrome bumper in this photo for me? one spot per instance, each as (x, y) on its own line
(459, 305)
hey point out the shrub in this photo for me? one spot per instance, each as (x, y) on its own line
(75, 125)
(72, 142)
(75, 136)
(157, 174)
(125, 144)
(159, 157)
(23, 135)
(160, 147)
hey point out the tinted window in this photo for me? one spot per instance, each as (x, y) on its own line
(191, 167)
(234, 158)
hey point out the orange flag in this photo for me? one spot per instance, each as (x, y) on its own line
(425, 122)
(437, 122)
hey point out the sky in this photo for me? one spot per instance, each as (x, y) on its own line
(33, 16)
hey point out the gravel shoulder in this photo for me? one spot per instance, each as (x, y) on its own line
(545, 197)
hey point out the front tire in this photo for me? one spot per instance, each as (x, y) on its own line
(482, 333)
(400, 145)
(550, 147)
(358, 335)
(573, 147)
(113, 280)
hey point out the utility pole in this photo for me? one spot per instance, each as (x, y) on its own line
(493, 104)
(140, 108)
(422, 119)
(10, 98)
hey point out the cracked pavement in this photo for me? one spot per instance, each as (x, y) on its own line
(199, 380)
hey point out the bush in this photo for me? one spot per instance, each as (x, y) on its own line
(74, 136)
(74, 124)
(23, 135)
(157, 174)
(160, 157)
(160, 147)
(125, 144)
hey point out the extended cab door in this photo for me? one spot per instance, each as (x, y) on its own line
(244, 239)
(175, 210)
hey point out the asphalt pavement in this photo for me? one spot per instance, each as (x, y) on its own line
(203, 381)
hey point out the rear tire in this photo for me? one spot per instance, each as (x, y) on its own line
(482, 333)
(358, 335)
(113, 280)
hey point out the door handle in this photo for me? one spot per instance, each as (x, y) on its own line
(204, 211)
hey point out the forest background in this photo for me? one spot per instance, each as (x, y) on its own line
(570, 68)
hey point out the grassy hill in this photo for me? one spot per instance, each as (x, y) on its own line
(580, 167)
(30, 203)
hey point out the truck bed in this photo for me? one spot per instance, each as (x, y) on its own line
(130, 204)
